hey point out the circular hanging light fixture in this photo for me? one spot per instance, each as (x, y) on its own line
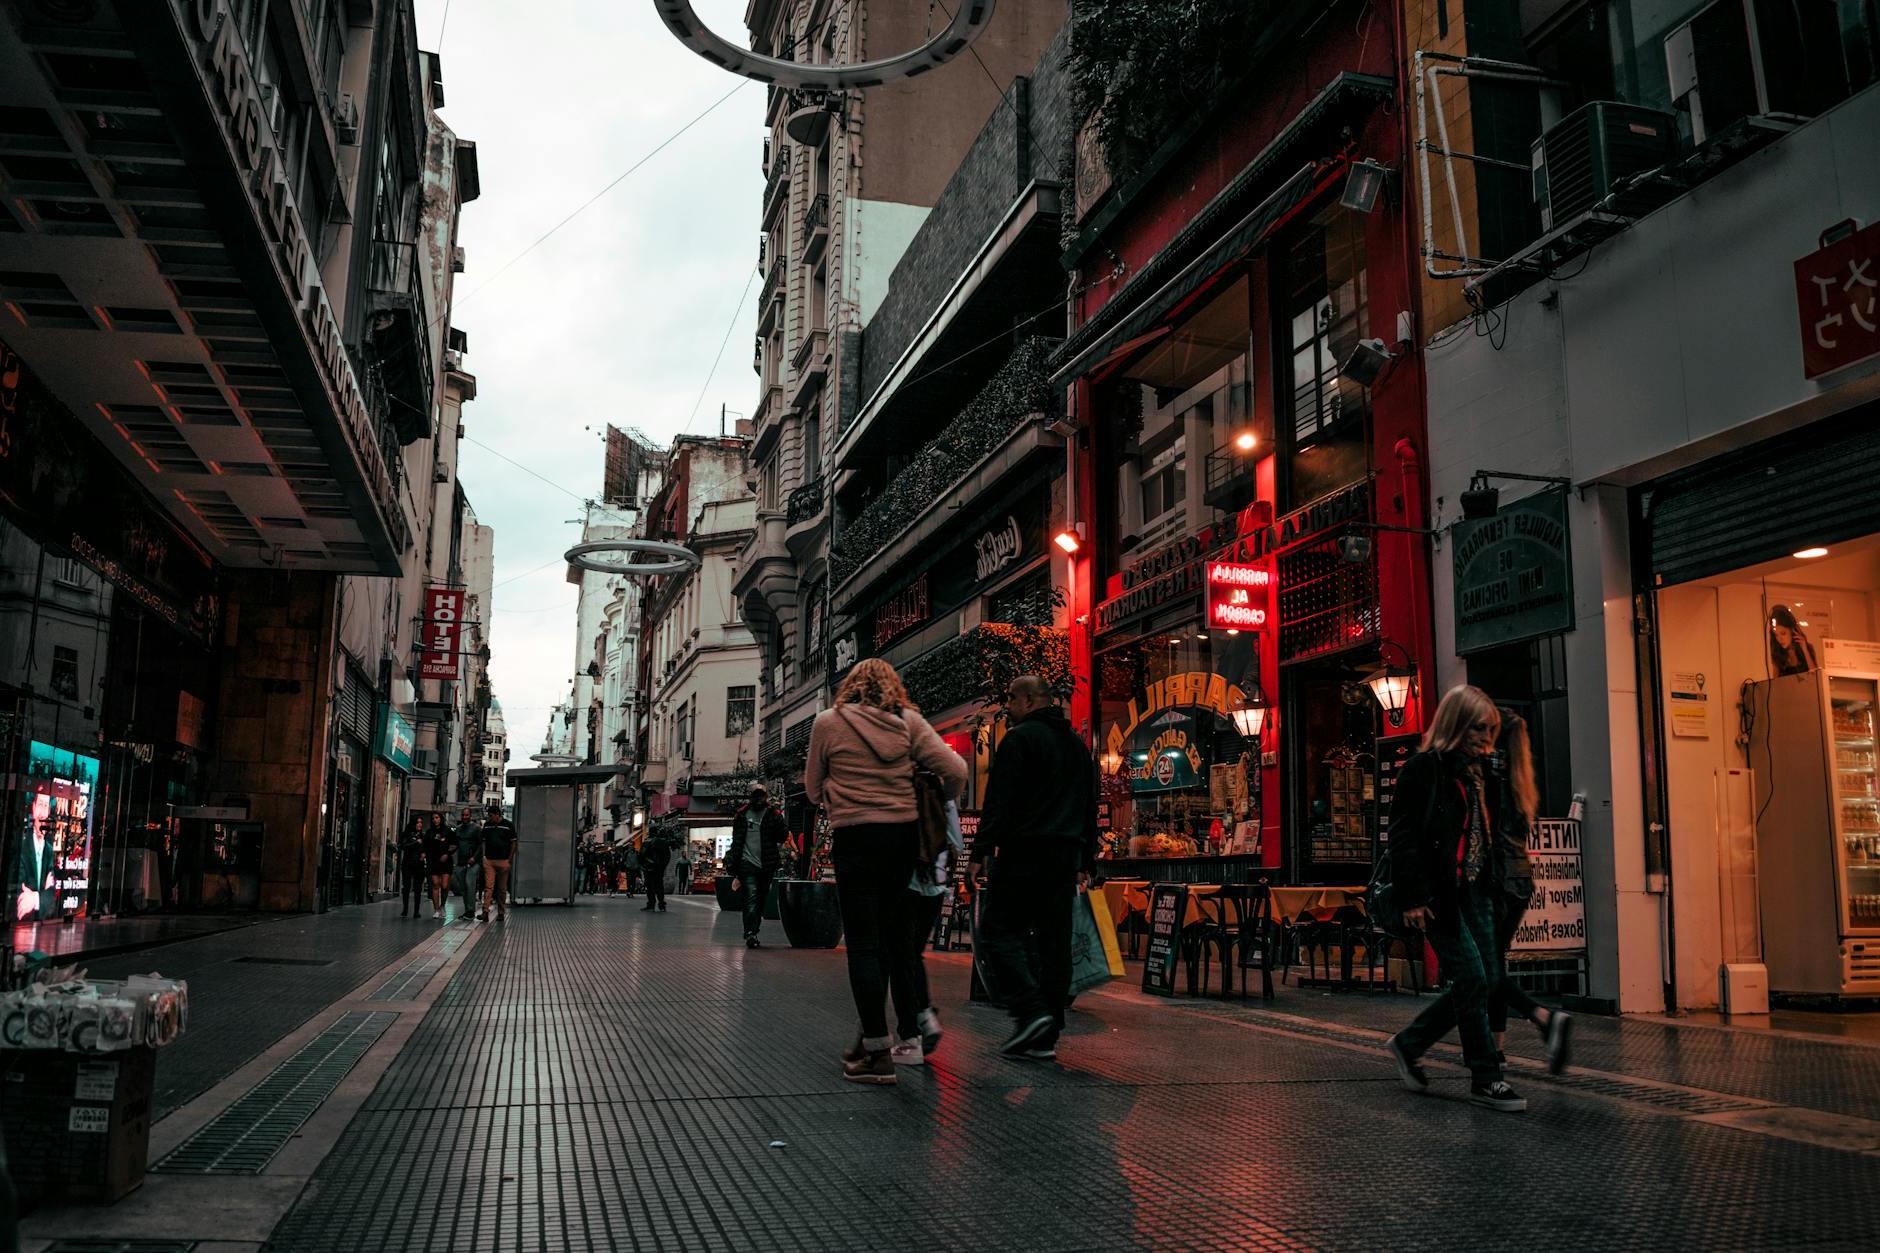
(969, 22)
(678, 558)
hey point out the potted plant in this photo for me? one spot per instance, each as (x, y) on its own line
(809, 909)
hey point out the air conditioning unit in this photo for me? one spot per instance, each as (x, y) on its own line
(346, 119)
(456, 259)
(1742, 59)
(440, 473)
(1582, 158)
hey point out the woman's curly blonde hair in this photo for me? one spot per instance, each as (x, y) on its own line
(874, 682)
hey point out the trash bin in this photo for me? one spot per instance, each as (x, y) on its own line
(77, 1126)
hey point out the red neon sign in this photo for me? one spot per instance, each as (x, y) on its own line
(1238, 595)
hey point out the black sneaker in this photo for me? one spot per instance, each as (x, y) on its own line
(1028, 1034)
(1407, 1068)
(662, 907)
(1040, 1053)
(1497, 1095)
(751, 941)
(1558, 1035)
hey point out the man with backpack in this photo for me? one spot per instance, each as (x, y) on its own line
(499, 850)
(1037, 840)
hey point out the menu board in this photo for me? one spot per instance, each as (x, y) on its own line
(1347, 836)
(1392, 752)
(1168, 906)
(957, 889)
(1555, 921)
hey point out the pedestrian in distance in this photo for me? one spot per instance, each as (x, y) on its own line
(584, 868)
(1516, 801)
(1443, 876)
(1036, 845)
(655, 857)
(758, 832)
(469, 859)
(440, 855)
(927, 892)
(413, 873)
(860, 768)
(499, 849)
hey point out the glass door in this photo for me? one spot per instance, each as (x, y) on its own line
(1851, 711)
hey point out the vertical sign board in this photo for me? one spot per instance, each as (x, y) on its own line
(954, 896)
(1392, 752)
(1555, 921)
(443, 631)
(1168, 907)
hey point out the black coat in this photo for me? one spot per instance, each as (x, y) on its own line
(773, 833)
(411, 858)
(440, 849)
(1043, 791)
(1428, 819)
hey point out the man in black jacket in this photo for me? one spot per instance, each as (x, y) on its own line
(1038, 838)
(756, 854)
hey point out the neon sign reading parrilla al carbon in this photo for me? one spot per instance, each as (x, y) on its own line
(1238, 595)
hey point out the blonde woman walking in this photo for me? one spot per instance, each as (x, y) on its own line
(862, 756)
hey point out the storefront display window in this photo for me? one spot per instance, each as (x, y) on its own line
(1179, 778)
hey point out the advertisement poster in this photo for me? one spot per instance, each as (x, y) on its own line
(1690, 706)
(54, 857)
(1556, 915)
(443, 631)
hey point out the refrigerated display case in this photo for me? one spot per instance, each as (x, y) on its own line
(1818, 799)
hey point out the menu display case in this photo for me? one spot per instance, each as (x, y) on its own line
(1817, 771)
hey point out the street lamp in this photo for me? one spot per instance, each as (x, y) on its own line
(1249, 713)
(1112, 762)
(1393, 686)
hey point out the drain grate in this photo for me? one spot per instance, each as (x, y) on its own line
(244, 1138)
(286, 961)
(408, 980)
(120, 1246)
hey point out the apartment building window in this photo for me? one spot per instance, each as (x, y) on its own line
(819, 299)
(1165, 481)
(812, 443)
(65, 672)
(740, 710)
(1322, 308)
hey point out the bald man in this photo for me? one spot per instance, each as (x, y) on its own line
(1037, 841)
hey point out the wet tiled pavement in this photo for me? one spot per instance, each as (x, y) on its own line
(598, 1078)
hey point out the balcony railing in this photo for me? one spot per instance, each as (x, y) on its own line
(806, 503)
(392, 267)
(1230, 482)
(815, 228)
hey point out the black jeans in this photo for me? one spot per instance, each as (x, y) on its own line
(756, 892)
(1471, 960)
(1029, 893)
(874, 863)
(412, 886)
(655, 884)
(921, 913)
(1507, 996)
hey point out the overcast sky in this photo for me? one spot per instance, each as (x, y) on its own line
(616, 318)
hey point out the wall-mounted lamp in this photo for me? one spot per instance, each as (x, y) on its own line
(1482, 501)
(1367, 362)
(1363, 185)
(1393, 686)
(1249, 713)
(1070, 539)
(1246, 441)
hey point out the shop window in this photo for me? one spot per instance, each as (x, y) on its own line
(1324, 312)
(65, 672)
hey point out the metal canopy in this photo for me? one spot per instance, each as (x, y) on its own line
(552, 776)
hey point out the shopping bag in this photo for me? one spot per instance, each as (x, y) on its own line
(1106, 927)
(1090, 961)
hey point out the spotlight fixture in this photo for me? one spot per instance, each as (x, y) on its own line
(1246, 441)
(1355, 549)
(1367, 361)
(1070, 539)
(1250, 712)
(1363, 185)
(1480, 501)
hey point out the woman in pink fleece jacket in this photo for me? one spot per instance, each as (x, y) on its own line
(860, 769)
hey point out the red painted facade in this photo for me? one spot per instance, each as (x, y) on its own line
(1155, 216)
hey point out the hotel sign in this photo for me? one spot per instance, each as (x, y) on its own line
(443, 632)
(236, 98)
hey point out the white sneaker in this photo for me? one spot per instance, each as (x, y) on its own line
(909, 1053)
(930, 1032)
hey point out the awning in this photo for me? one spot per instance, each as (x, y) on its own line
(1258, 200)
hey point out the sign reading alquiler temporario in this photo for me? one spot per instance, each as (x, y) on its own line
(1555, 921)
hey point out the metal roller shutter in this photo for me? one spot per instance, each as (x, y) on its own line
(1816, 485)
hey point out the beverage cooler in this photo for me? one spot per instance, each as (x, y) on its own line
(1818, 831)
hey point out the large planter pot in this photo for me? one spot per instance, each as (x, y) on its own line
(810, 912)
(728, 901)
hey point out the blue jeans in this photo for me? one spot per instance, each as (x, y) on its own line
(1471, 960)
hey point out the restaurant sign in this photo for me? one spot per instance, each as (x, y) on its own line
(1555, 921)
(1238, 595)
(1513, 573)
(1157, 578)
(902, 612)
(1837, 296)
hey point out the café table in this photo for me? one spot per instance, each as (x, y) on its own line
(1128, 900)
(1309, 909)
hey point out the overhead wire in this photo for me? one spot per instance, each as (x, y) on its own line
(736, 312)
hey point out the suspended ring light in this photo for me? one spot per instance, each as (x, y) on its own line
(678, 558)
(969, 22)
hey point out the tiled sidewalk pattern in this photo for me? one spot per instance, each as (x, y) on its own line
(598, 1078)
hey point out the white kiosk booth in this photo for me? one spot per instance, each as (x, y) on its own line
(546, 811)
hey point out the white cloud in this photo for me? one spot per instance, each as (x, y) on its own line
(617, 316)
